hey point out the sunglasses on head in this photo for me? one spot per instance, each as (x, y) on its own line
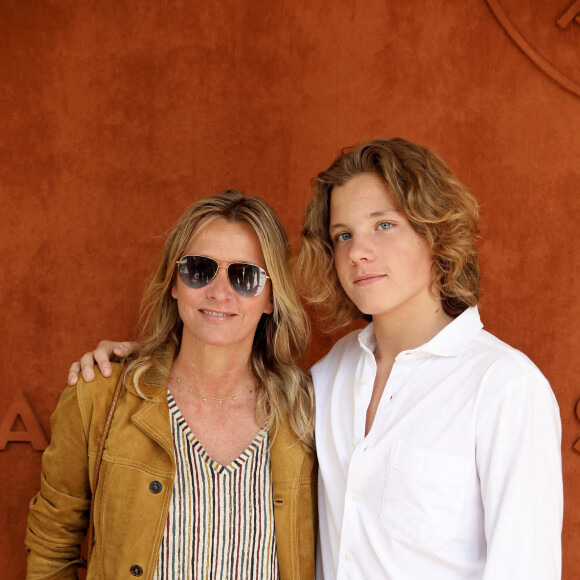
(198, 271)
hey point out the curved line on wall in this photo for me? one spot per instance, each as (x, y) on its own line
(531, 52)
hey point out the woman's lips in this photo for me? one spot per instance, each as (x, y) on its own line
(216, 314)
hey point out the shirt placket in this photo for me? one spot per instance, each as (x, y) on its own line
(362, 466)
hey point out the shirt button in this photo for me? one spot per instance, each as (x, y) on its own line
(364, 381)
(347, 557)
(354, 497)
(136, 570)
(355, 441)
(155, 486)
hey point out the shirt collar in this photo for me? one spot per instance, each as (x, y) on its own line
(448, 342)
(367, 338)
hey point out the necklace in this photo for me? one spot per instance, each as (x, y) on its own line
(205, 398)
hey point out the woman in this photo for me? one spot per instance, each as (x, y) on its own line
(208, 469)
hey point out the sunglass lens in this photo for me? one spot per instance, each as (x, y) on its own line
(247, 279)
(197, 271)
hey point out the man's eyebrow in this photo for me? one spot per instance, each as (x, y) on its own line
(384, 212)
(337, 226)
(375, 214)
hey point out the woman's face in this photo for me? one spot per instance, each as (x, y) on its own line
(216, 315)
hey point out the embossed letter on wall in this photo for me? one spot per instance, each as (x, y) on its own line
(32, 432)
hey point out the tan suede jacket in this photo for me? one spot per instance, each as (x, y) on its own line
(135, 487)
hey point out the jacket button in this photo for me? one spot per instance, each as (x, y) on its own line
(155, 486)
(136, 570)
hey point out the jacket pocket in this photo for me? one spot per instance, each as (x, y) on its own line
(424, 493)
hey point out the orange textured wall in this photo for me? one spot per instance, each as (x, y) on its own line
(115, 115)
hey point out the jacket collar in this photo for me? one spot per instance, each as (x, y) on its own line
(153, 417)
(153, 384)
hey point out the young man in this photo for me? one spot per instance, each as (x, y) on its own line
(438, 444)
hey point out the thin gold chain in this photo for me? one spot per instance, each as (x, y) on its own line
(191, 389)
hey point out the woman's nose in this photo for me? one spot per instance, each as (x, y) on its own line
(220, 286)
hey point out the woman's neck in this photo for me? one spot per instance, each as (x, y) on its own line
(212, 370)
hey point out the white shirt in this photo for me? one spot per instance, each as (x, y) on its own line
(460, 476)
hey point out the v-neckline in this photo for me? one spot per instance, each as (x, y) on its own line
(196, 444)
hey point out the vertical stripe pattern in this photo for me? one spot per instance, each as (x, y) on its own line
(221, 518)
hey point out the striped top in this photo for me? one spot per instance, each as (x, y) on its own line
(221, 518)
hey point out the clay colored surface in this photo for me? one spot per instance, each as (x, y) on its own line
(116, 115)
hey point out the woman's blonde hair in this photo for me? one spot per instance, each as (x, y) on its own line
(284, 391)
(438, 206)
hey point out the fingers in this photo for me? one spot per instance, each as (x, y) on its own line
(122, 349)
(127, 349)
(86, 364)
(73, 373)
(106, 351)
(101, 355)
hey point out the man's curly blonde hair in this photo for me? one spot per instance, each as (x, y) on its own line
(438, 206)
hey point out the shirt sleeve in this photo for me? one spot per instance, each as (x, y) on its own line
(59, 513)
(518, 457)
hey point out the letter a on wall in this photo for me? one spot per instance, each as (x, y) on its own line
(32, 431)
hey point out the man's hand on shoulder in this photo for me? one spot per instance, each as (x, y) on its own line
(106, 351)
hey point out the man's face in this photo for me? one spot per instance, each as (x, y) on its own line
(383, 265)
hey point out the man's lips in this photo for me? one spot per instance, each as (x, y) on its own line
(365, 279)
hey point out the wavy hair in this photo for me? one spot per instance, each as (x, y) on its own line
(284, 391)
(424, 189)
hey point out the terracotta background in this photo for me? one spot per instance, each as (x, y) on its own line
(115, 115)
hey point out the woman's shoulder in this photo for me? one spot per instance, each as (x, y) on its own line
(289, 458)
(94, 397)
(85, 404)
(100, 386)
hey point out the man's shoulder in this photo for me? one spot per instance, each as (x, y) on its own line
(501, 357)
(346, 347)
